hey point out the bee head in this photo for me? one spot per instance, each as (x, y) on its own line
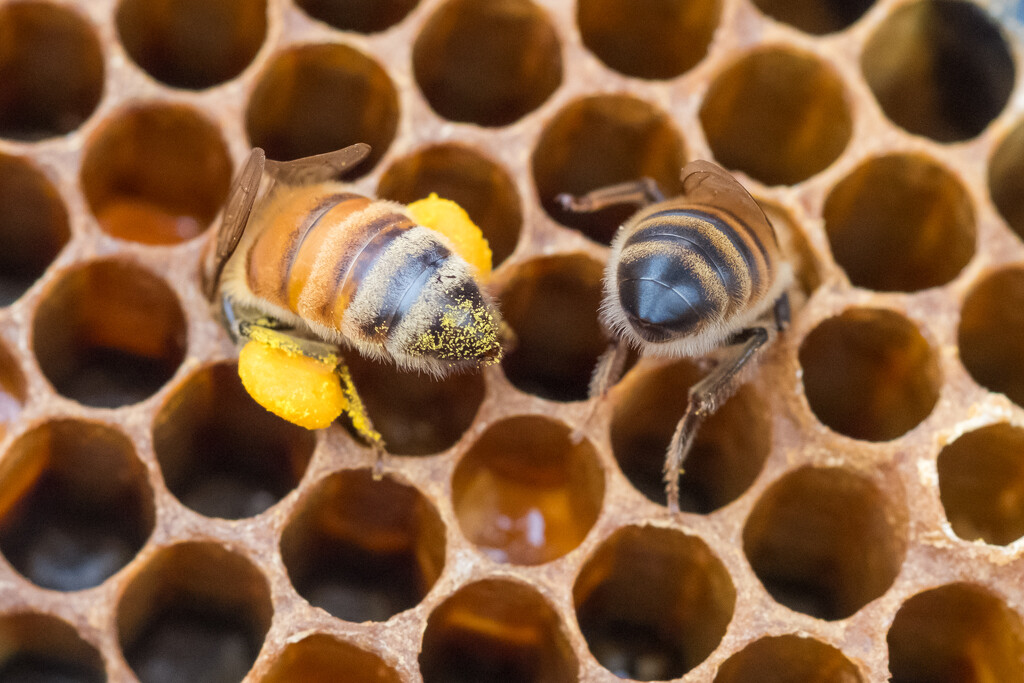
(463, 330)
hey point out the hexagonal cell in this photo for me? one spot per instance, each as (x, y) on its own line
(551, 304)
(653, 603)
(603, 140)
(221, 453)
(364, 16)
(825, 541)
(957, 632)
(13, 392)
(1006, 179)
(817, 17)
(777, 114)
(661, 39)
(109, 333)
(869, 374)
(991, 334)
(788, 659)
(313, 99)
(939, 68)
(156, 173)
(76, 504)
(195, 612)
(496, 631)
(727, 454)
(415, 413)
(524, 493)
(489, 62)
(192, 43)
(51, 70)
(33, 226)
(323, 659)
(981, 481)
(464, 175)
(39, 648)
(900, 223)
(364, 549)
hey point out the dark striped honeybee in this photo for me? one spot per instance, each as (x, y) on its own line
(303, 259)
(687, 275)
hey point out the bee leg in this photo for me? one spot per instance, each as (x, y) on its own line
(643, 192)
(248, 324)
(606, 373)
(354, 406)
(705, 398)
(240, 321)
(274, 333)
(361, 419)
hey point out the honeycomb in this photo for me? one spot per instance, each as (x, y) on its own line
(854, 512)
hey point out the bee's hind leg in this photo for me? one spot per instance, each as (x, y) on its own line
(245, 323)
(706, 396)
(642, 192)
(361, 419)
(711, 392)
(241, 320)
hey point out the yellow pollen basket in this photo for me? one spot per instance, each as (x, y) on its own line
(305, 391)
(452, 221)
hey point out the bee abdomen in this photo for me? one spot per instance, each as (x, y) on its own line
(717, 262)
(292, 223)
(316, 248)
(349, 252)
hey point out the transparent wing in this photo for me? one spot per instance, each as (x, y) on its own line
(707, 183)
(236, 217)
(319, 168)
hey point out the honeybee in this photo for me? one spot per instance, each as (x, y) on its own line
(687, 275)
(302, 262)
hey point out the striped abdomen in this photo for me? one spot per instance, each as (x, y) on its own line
(360, 268)
(686, 268)
(315, 250)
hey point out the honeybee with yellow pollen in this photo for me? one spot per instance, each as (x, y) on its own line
(303, 268)
(687, 275)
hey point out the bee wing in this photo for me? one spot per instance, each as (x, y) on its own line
(236, 216)
(707, 183)
(319, 168)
